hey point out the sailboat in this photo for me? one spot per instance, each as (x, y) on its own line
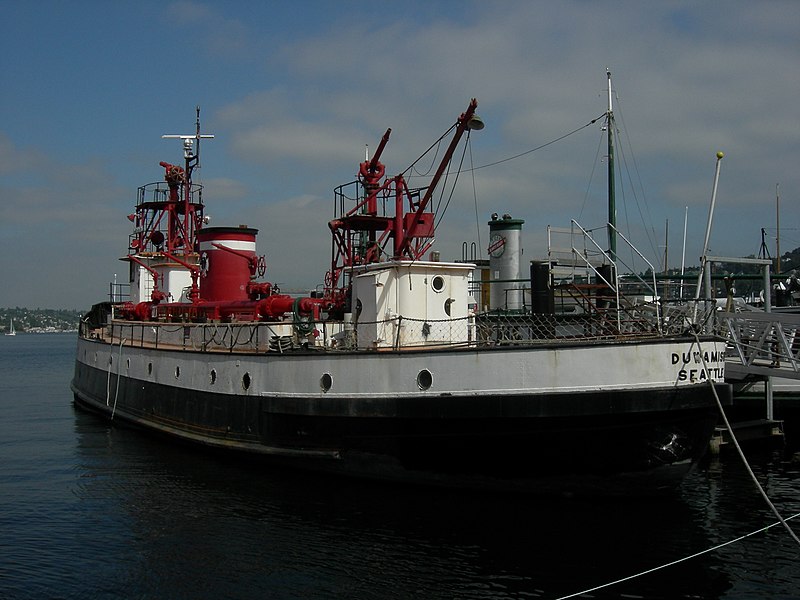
(11, 328)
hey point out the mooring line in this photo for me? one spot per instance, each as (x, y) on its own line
(119, 368)
(680, 560)
(781, 520)
(739, 448)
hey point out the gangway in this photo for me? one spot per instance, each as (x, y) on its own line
(762, 345)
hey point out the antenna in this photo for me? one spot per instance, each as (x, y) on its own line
(188, 141)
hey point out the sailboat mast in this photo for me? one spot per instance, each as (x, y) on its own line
(612, 209)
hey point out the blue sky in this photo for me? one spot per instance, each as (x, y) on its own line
(294, 90)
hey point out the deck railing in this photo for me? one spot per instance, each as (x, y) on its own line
(482, 330)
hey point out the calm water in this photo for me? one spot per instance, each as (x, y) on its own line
(92, 511)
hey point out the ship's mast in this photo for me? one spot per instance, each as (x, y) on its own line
(187, 226)
(612, 209)
(777, 230)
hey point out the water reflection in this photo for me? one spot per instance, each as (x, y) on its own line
(196, 525)
(92, 511)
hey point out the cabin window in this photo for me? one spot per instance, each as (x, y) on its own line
(212, 376)
(424, 379)
(437, 283)
(177, 372)
(246, 381)
(325, 382)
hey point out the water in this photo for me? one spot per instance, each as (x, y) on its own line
(92, 511)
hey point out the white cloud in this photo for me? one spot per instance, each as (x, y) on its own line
(293, 107)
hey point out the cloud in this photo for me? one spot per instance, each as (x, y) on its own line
(15, 160)
(220, 35)
(59, 220)
(294, 96)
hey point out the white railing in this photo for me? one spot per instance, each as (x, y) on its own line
(763, 343)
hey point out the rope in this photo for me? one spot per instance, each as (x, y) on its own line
(781, 520)
(680, 560)
(119, 366)
(739, 449)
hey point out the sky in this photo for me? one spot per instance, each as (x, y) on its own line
(296, 92)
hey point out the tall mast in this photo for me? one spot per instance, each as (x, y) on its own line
(190, 221)
(683, 252)
(777, 230)
(612, 209)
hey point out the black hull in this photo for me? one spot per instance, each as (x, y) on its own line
(598, 442)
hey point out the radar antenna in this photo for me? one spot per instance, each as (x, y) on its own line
(192, 158)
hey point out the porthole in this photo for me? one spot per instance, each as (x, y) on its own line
(149, 368)
(447, 304)
(177, 372)
(212, 376)
(424, 379)
(110, 359)
(128, 363)
(246, 381)
(437, 283)
(325, 382)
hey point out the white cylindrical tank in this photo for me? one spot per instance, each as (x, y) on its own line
(505, 256)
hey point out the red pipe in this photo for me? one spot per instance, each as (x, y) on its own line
(271, 307)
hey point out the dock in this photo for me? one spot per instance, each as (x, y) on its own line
(764, 431)
(764, 348)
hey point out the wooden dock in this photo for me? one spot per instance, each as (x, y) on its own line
(764, 431)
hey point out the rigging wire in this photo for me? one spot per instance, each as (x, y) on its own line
(612, 123)
(558, 139)
(647, 230)
(472, 168)
(411, 166)
(475, 198)
(635, 164)
(442, 189)
(453, 187)
(591, 175)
